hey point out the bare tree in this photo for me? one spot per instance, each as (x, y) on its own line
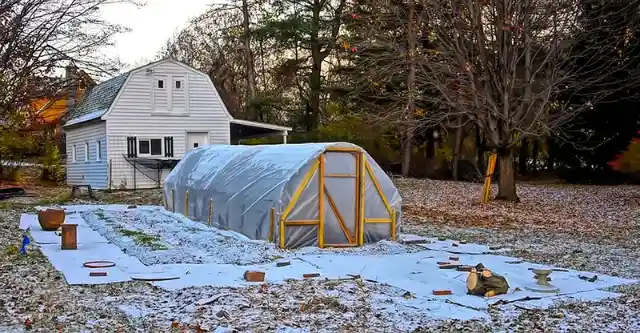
(248, 53)
(506, 65)
(40, 37)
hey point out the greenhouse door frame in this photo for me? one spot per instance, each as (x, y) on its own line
(363, 169)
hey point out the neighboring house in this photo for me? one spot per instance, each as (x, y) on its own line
(51, 112)
(129, 131)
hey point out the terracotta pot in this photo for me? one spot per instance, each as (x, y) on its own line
(51, 218)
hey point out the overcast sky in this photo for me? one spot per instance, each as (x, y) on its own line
(151, 26)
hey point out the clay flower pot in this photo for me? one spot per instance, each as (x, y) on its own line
(51, 218)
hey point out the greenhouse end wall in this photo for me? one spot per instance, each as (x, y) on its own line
(256, 191)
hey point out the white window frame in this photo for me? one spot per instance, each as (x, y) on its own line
(74, 153)
(98, 150)
(86, 151)
(149, 140)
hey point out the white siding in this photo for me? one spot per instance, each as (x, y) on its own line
(135, 114)
(91, 172)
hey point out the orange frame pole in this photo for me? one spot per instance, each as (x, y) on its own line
(321, 201)
(361, 195)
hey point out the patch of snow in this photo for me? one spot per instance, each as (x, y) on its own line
(178, 239)
(86, 117)
(404, 276)
(133, 311)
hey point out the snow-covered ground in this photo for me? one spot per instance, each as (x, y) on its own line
(396, 280)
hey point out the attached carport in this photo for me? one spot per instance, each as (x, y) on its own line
(245, 129)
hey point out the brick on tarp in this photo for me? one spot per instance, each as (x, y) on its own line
(254, 276)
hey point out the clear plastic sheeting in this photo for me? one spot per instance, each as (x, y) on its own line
(269, 191)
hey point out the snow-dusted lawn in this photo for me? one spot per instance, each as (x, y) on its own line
(399, 279)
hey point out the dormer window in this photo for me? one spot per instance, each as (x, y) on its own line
(169, 93)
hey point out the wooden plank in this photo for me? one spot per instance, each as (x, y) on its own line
(301, 222)
(378, 220)
(340, 175)
(335, 210)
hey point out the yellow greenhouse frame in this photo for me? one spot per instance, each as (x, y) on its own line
(362, 170)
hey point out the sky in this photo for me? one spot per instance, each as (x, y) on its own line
(151, 26)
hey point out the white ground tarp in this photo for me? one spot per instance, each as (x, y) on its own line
(240, 185)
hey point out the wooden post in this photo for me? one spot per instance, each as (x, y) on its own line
(393, 225)
(134, 175)
(321, 202)
(210, 210)
(69, 237)
(362, 176)
(281, 233)
(272, 223)
(486, 190)
(186, 203)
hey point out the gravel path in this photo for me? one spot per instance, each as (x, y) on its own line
(586, 228)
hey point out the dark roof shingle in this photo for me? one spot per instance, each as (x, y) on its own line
(99, 97)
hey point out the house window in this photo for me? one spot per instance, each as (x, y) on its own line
(74, 153)
(178, 84)
(151, 147)
(161, 84)
(86, 151)
(98, 150)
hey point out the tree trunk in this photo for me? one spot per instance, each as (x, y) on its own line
(406, 153)
(456, 150)
(431, 145)
(251, 76)
(411, 106)
(523, 156)
(551, 154)
(507, 177)
(480, 151)
(534, 156)
(313, 116)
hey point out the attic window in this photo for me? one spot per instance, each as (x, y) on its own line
(82, 85)
(161, 84)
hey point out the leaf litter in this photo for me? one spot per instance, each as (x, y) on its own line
(586, 228)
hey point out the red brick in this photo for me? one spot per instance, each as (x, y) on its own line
(254, 276)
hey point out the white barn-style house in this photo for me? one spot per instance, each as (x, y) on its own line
(128, 132)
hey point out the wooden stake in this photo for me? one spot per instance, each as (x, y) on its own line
(321, 202)
(186, 203)
(210, 210)
(272, 223)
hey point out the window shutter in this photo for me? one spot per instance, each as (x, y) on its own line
(168, 146)
(132, 149)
